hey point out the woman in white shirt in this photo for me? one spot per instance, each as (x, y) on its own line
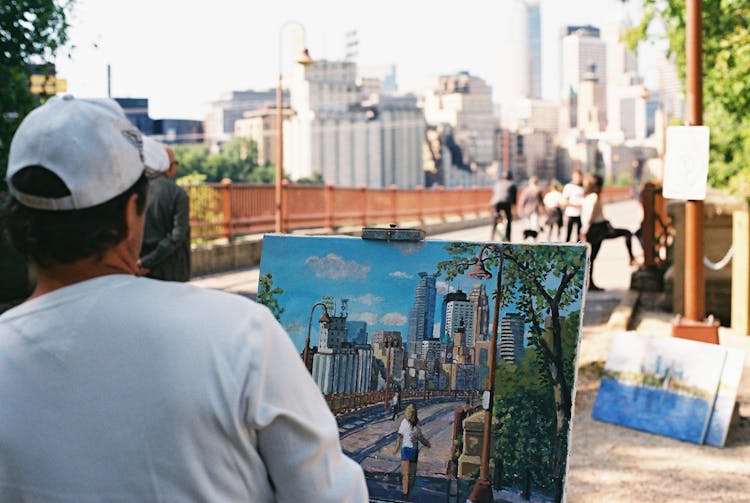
(409, 437)
(595, 228)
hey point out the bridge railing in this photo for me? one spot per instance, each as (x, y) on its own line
(227, 209)
(343, 403)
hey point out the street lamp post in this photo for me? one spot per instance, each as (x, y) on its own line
(388, 341)
(482, 491)
(304, 60)
(325, 318)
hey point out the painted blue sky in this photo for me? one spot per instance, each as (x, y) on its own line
(378, 278)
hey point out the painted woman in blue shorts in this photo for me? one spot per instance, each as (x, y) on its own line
(409, 437)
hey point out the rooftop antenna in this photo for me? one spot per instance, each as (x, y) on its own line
(352, 46)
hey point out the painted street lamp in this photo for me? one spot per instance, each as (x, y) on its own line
(323, 319)
(482, 491)
(305, 60)
(389, 342)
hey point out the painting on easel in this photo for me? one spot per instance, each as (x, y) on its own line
(399, 328)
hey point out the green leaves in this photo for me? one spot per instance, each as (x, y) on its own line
(31, 32)
(726, 88)
(267, 295)
(237, 160)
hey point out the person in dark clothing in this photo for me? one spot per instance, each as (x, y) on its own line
(595, 228)
(504, 199)
(165, 253)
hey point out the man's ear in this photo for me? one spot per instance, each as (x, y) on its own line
(133, 219)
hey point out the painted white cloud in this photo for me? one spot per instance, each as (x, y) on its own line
(393, 319)
(293, 328)
(333, 266)
(401, 275)
(367, 317)
(443, 287)
(368, 299)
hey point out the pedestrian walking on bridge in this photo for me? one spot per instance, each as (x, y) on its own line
(409, 437)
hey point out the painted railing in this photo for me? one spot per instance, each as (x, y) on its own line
(343, 403)
(227, 210)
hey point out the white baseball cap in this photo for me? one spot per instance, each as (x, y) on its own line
(154, 155)
(88, 143)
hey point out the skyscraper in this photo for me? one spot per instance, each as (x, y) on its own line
(520, 55)
(582, 51)
(422, 314)
(459, 313)
(511, 338)
(480, 329)
(535, 48)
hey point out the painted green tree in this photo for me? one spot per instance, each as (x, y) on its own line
(541, 281)
(267, 295)
(726, 88)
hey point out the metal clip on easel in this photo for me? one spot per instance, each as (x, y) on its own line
(393, 233)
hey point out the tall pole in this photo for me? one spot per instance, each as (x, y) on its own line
(487, 440)
(389, 343)
(695, 293)
(279, 208)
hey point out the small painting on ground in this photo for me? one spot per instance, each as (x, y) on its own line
(398, 337)
(669, 386)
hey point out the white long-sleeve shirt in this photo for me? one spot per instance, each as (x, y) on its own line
(124, 389)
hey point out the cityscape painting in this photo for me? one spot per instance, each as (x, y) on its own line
(663, 385)
(382, 325)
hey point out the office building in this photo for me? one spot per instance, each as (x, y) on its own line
(464, 102)
(422, 314)
(480, 329)
(511, 338)
(230, 107)
(332, 133)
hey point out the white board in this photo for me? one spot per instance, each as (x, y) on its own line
(686, 162)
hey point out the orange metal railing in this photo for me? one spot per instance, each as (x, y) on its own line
(226, 210)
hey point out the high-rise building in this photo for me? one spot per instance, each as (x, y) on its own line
(339, 366)
(464, 102)
(230, 107)
(421, 315)
(459, 313)
(449, 297)
(583, 57)
(480, 328)
(511, 338)
(520, 53)
(334, 134)
(535, 48)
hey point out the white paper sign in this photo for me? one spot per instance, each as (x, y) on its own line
(686, 163)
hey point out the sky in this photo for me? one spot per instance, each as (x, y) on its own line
(183, 55)
(379, 279)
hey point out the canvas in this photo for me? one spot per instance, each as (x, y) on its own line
(721, 414)
(383, 325)
(662, 385)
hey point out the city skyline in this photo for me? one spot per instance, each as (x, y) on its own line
(182, 63)
(378, 279)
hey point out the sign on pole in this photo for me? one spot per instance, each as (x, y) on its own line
(686, 163)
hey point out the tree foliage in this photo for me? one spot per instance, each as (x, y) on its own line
(267, 294)
(31, 32)
(726, 88)
(237, 160)
(542, 282)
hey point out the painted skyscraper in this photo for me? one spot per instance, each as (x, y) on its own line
(422, 314)
(511, 338)
(480, 329)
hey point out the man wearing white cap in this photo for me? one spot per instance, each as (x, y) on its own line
(166, 235)
(120, 388)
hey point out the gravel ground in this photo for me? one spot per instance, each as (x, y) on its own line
(610, 463)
